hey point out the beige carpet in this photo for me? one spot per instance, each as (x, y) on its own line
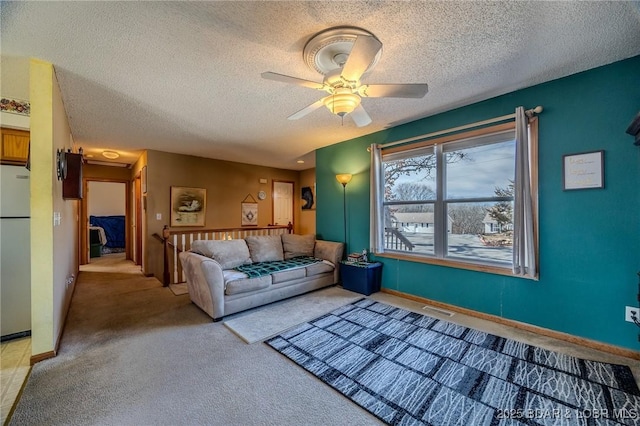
(113, 262)
(132, 353)
(268, 321)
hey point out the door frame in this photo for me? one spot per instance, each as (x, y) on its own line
(139, 200)
(83, 223)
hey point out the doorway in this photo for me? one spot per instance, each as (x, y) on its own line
(106, 209)
(105, 220)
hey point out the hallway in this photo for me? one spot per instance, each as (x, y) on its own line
(15, 355)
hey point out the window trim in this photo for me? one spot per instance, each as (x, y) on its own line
(533, 164)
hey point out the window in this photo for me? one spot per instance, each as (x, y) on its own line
(451, 200)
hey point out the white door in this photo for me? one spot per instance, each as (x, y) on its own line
(282, 203)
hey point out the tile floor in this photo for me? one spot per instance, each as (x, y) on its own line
(14, 368)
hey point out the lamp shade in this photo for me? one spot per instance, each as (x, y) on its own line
(342, 102)
(344, 178)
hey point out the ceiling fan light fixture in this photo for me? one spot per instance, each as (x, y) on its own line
(342, 103)
(343, 55)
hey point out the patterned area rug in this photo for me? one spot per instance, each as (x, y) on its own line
(407, 368)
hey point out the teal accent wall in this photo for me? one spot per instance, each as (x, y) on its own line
(589, 239)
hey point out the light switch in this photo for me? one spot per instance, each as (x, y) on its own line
(158, 216)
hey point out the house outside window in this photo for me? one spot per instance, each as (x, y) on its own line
(452, 199)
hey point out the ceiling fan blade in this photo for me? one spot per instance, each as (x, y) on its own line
(314, 106)
(393, 90)
(363, 52)
(292, 80)
(360, 116)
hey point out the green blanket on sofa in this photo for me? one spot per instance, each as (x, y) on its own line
(254, 270)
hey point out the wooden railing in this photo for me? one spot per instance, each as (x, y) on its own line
(395, 240)
(178, 240)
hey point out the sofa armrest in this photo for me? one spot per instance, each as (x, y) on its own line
(205, 282)
(331, 251)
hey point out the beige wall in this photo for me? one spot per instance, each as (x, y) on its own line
(227, 184)
(98, 172)
(105, 198)
(308, 217)
(54, 248)
(65, 235)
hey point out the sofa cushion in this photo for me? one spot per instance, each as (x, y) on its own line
(265, 248)
(228, 253)
(288, 275)
(246, 285)
(298, 245)
(319, 268)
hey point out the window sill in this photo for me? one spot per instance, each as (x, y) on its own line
(489, 269)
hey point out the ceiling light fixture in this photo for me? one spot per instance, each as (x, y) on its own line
(342, 102)
(111, 155)
(343, 55)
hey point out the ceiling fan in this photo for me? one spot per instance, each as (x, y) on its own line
(343, 55)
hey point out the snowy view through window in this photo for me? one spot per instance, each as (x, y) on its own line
(463, 211)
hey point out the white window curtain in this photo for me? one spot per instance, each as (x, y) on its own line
(524, 256)
(376, 233)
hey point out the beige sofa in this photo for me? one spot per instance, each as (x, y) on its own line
(229, 276)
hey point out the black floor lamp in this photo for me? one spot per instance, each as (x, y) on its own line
(344, 179)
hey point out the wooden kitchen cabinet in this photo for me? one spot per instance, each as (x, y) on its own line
(15, 147)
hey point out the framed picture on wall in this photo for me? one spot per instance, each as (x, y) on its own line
(583, 171)
(249, 214)
(188, 206)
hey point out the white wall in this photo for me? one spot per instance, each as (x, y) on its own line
(106, 198)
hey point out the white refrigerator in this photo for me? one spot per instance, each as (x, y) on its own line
(15, 249)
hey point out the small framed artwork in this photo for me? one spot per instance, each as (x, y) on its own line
(249, 214)
(143, 179)
(188, 206)
(583, 171)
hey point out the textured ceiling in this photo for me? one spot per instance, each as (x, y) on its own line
(184, 77)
